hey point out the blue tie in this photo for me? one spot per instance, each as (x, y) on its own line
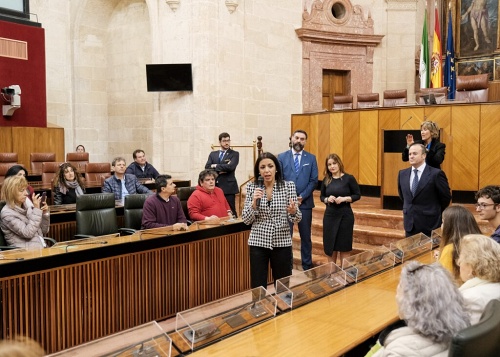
(221, 155)
(296, 163)
(414, 185)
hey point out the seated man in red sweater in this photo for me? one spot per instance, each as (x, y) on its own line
(163, 209)
(208, 201)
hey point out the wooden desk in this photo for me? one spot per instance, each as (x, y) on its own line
(330, 326)
(66, 296)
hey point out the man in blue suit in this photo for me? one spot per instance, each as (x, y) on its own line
(300, 166)
(425, 193)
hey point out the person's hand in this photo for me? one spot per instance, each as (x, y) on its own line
(211, 218)
(339, 200)
(36, 199)
(331, 199)
(299, 200)
(409, 139)
(292, 207)
(258, 193)
(180, 227)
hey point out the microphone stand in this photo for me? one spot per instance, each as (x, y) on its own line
(75, 244)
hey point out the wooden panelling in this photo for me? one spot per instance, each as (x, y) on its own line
(73, 304)
(465, 133)
(391, 166)
(494, 91)
(368, 144)
(323, 143)
(351, 142)
(468, 160)
(6, 139)
(27, 140)
(489, 139)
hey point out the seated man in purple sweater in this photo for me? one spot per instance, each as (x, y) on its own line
(163, 209)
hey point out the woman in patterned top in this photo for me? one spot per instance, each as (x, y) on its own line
(270, 204)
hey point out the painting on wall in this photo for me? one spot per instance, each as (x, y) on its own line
(469, 68)
(478, 27)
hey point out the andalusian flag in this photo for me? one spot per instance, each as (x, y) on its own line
(424, 57)
(436, 73)
(450, 79)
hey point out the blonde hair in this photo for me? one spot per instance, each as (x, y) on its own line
(11, 187)
(432, 127)
(482, 253)
(20, 346)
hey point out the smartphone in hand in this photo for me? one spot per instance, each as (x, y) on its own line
(43, 198)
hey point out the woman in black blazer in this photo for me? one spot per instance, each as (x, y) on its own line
(435, 149)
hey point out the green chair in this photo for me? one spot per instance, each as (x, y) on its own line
(133, 211)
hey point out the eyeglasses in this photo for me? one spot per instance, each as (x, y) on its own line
(482, 206)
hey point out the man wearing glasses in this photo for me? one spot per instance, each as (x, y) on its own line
(488, 206)
(224, 162)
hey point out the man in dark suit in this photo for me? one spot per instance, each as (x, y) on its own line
(425, 193)
(224, 162)
(300, 166)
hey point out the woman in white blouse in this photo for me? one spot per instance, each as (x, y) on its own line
(479, 263)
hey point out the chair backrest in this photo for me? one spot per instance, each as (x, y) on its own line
(49, 170)
(36, 159)
(8, 157)
(439, 94)
(4, 167)
(481, 339)
(133, 210)
(368, 100)
(78, 160)
(474, 88)
(94, 171)
(96, 214)
(342, 102)
(183, 193)
(394, 97)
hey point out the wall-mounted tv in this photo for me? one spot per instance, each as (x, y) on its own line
(169, 77)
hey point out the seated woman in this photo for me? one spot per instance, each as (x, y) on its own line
(68, 184)
(23, 224)
(458, 221)
(80, 148)
(18, 170)
(433, 309)
(480, 270)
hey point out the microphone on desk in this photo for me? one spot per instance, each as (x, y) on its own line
(260, 184)
(407, 120)
(163, 234)
(75, 244)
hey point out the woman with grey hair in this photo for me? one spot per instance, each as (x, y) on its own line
(433, 310)
(434, 148)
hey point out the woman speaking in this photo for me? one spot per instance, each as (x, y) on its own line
(270, 204)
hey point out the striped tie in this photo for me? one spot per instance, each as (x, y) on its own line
(296, 163)
(221, 155)
(414, 185)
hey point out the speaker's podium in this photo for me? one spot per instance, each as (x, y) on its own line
(394, 142)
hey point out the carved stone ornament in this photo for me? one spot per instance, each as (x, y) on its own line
(174, 4)
(401, 5)
(231, 5)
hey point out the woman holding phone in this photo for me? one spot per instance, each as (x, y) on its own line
(23, 224)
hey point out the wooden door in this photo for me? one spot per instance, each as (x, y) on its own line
(335, 83)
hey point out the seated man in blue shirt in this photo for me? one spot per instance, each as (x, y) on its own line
(140, 167)
(163, 209)
(122, 184)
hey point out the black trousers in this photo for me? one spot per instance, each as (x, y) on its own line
(281, 259)
(231, 199)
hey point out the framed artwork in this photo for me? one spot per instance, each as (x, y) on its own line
(469, 68)
(497, 68)
(478, 30)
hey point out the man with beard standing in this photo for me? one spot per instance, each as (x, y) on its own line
(300, 166)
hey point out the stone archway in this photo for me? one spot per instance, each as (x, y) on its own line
(335, 36)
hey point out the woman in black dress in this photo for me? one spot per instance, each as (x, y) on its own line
(338, 191)
(434, 148)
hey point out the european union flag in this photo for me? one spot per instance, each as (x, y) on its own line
(450, 79)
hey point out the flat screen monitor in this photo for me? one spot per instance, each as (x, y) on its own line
(429, 99)
(169, 77)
